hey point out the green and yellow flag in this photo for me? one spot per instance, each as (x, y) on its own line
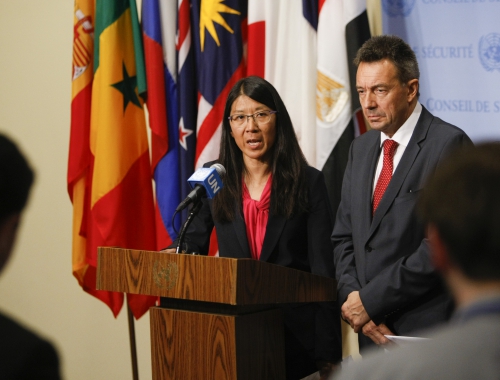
(109, 171)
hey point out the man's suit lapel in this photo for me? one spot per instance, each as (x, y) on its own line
(404, 167)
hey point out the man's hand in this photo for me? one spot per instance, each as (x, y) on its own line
(354, 313)
(376, 333)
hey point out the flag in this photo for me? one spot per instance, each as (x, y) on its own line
(219, 30)
(342, 29)
(172, 106)
(199, 70)
(109, 171)
(159, 27)
(187, 97)
(219, 33)
(79, 161)
(305, 49)
(282, 49)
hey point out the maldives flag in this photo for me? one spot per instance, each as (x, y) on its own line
(109, 172)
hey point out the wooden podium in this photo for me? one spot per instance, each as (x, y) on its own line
(219, 318)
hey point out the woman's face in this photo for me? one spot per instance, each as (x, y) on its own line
(255, 139)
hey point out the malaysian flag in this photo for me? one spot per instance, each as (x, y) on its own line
(220, 64)
(219, 38)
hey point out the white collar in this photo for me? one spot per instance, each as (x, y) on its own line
(403, 134)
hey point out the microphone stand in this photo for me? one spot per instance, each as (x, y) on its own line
(194, 210)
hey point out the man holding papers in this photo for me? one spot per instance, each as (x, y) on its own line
(386, 282)
(461, 208)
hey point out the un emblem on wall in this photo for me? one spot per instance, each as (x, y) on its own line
(489, 51)
(165, 277)
(396, 8)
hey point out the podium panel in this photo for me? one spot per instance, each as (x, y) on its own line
(193, 345)
(211, 279)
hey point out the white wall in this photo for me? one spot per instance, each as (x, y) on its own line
(37, 286)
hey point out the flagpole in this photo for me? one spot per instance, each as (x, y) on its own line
(133, 348)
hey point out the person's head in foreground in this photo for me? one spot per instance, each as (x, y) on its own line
(461, 207)
(16, 178)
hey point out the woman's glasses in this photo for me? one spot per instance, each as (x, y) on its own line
(259, 118)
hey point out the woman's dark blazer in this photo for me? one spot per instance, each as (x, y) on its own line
(301, 242)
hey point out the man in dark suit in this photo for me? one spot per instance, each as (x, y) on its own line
(23, 354)
(386, 282)
(460, 206)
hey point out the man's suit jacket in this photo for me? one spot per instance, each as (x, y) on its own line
(462, 350)
(386, 258)
(303, 243)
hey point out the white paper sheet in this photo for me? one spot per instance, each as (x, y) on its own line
(404, 340)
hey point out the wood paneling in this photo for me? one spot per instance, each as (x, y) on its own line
(218, 317)
(210, 279)
(190, 345)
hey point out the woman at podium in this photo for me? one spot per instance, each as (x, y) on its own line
(273, 207)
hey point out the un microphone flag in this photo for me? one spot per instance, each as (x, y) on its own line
(204, 181)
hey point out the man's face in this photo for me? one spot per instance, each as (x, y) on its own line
(386, 102)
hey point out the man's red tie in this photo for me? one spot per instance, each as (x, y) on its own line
(390, 147)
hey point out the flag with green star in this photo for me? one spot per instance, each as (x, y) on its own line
(117, 204)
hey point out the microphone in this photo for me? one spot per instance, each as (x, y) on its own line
(204, 181)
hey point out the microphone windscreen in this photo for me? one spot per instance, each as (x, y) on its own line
(209, 178)
(220, 169)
